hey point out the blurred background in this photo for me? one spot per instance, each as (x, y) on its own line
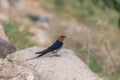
(92, 28)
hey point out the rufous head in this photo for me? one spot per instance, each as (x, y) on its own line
(61, 37)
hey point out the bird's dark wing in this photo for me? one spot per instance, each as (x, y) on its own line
(55, 45)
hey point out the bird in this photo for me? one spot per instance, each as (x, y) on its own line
(54, 48)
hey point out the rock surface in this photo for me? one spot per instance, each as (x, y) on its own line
(6, 47)
(66, 67)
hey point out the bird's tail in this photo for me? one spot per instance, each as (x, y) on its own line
(42, 52)
(38, 52)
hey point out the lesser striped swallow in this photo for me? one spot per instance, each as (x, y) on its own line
(54, 48)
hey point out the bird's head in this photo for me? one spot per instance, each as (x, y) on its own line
(61, 37)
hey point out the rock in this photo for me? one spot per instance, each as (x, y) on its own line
(36, 18)
(6, 47)
(66, 67)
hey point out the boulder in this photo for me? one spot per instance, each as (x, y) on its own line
(36, 18)
(6, 47)
(21, 66)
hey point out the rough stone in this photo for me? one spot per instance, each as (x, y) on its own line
(66, 67)
(6, 47)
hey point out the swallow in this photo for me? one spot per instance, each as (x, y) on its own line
(54, 48)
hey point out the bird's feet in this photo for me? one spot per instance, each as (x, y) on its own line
(56, 55)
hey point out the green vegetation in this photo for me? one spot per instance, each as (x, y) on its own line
(95, 63)
(87, 54)
(91, 12)
(19, 38)
(97, 15)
